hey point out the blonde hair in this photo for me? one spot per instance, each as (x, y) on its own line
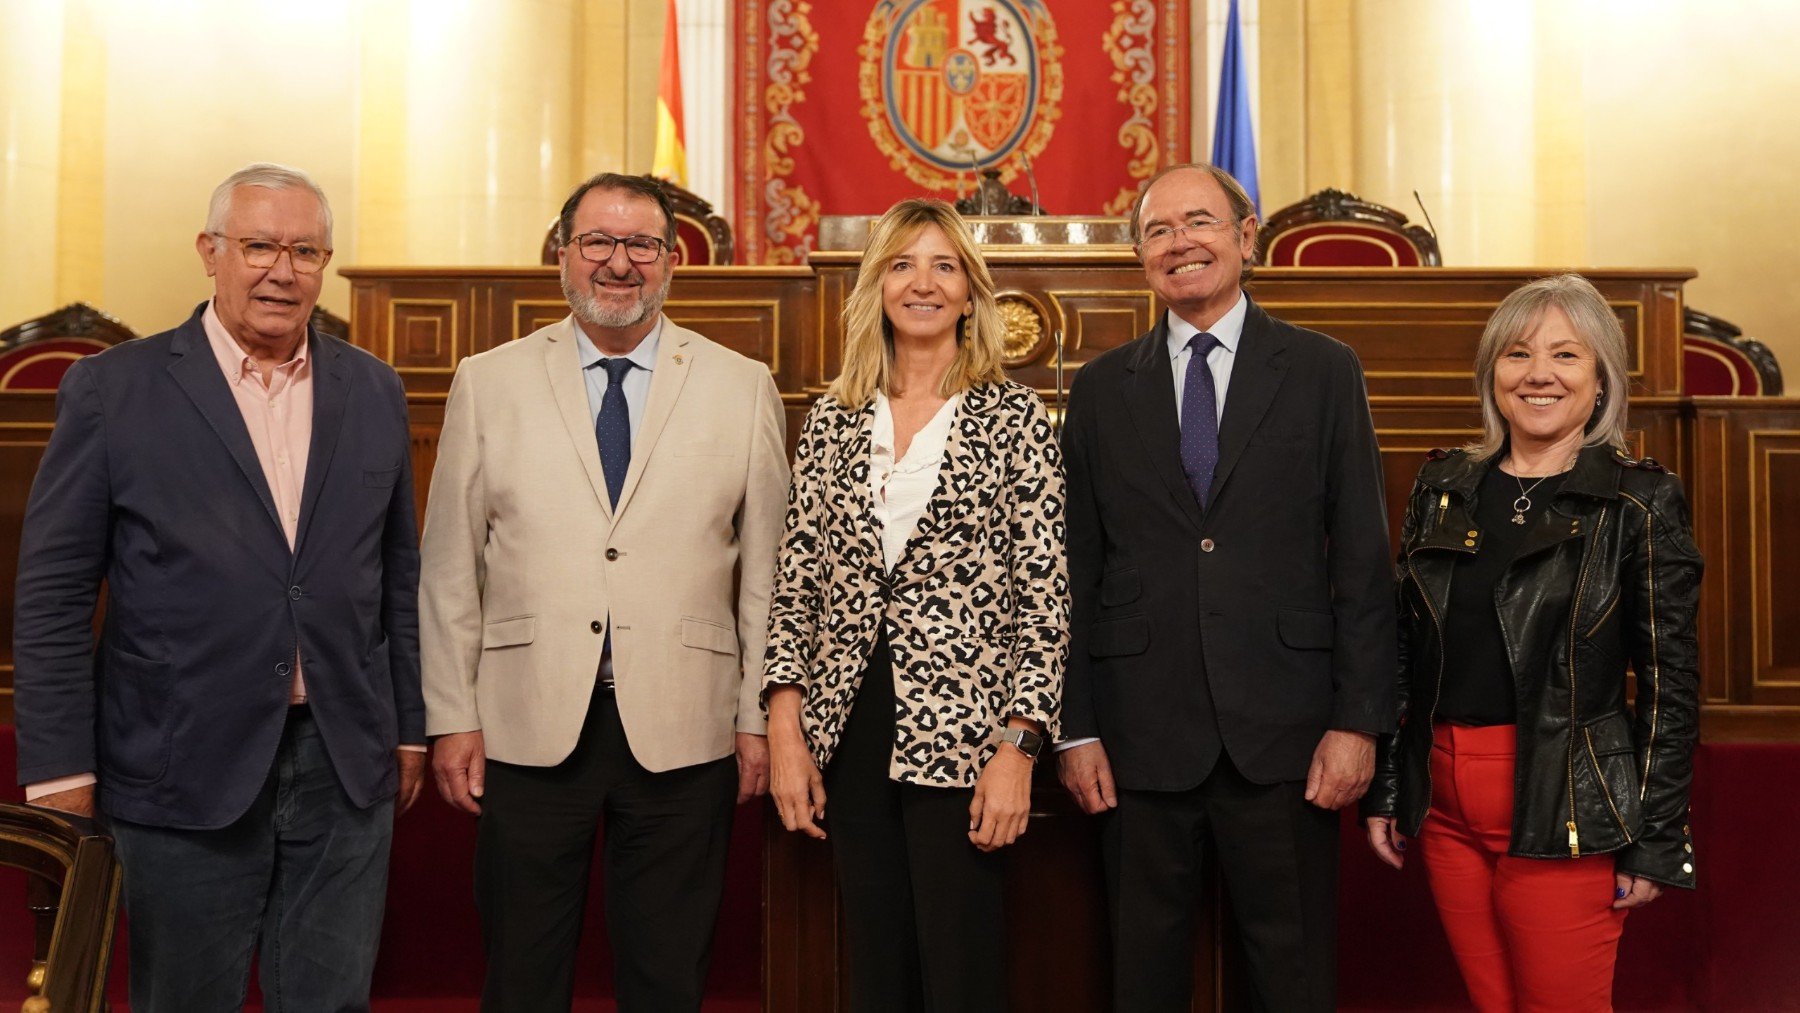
(1592, 320)
(869, 336)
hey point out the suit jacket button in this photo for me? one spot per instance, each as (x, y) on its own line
(612, 554)
(1206, 545)
(283, 669)
(294, 593)
(597, 626)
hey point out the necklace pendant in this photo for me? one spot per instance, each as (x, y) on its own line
(1518, 518)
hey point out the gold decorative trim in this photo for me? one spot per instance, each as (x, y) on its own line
(29, 361)
(513, 312)
(1026, 335)
(1044, 108)
(774, 318)
(1128, 41)
(791, 211)
(393, 333)
(1387, 248)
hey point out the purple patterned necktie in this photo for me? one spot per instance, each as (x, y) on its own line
(1199, 418)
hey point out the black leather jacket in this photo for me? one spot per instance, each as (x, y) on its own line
(1607, 577)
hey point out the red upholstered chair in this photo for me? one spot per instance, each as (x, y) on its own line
(1716, 358)
(701, 236)
(1337, 229)
(34, 355)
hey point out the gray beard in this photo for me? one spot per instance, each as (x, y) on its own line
(590, 311)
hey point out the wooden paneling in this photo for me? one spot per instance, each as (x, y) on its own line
(1416, 332)
(1744, 489)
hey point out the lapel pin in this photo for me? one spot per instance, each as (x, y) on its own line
(677, 358)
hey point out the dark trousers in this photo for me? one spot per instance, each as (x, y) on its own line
(922, 906)
(303, 869)
(1278, 856)
(666, 837)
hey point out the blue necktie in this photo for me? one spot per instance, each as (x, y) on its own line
(612, 430)
(1199, 418)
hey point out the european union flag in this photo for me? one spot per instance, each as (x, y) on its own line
(1234, 140)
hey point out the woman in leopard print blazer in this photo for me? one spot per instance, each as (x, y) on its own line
(919, 622)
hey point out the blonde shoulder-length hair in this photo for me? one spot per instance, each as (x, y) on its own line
(869, 336)
(1592, 320)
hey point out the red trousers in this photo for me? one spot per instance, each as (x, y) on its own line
(1529, 934)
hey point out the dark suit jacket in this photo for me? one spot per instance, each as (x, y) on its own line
(1253, 627)
(151, 484)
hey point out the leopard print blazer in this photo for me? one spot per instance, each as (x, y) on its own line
(976, 609)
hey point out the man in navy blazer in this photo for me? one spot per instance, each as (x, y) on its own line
(242, 485)
(1232, 646)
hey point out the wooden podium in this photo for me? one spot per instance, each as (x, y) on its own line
(1416, 331)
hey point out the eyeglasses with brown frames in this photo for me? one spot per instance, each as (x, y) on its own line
(263, 253)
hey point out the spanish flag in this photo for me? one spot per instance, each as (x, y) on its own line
(670, 161)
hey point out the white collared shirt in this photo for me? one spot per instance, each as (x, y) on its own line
(1229, 329)
(901, 490)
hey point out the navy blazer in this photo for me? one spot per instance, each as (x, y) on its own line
(150, 483)
(1250, 627)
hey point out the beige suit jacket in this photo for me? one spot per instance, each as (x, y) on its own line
(525, 560)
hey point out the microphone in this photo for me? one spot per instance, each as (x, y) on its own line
(1427, 214)
(1031, 177)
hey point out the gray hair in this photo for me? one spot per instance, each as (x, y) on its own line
(1592, 320)
(267, 175)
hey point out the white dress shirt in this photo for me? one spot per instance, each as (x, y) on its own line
(901, 490)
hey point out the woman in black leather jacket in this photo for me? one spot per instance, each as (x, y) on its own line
(1538, 565)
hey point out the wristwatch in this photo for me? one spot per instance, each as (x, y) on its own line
(1028, 742)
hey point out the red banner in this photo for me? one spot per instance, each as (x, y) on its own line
(846, 106)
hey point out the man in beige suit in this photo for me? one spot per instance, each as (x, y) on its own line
(598, 552)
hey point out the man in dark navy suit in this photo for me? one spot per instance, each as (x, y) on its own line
(1232, 650)
(250, 719)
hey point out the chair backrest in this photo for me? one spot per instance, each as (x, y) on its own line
(1337, 229)
(326, 322)
(34, 355)
(72, 888)
(701, 236)
(1716, 358)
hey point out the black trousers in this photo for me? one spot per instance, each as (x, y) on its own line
(922, 906)
(1278, 856)
(666, 837)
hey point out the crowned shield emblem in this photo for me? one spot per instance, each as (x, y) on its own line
(950, 85)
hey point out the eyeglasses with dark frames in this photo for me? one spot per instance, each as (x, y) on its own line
(598, 247)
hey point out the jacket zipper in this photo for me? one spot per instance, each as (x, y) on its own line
(1602, 620)
(1588, 734)
(1655, 665)
(1431, 712)
(1574, 723)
